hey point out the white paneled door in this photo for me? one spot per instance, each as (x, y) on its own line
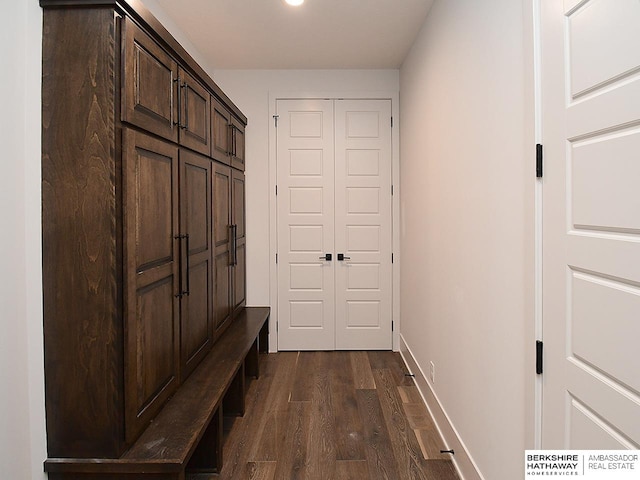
(591, 227)
(334, 224)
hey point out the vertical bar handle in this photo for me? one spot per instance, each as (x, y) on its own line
(180, 279)
(187, 291)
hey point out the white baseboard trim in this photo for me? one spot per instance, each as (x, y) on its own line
(466, 467)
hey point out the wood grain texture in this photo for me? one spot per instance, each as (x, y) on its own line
(283, 438)
(352, 470)
(349, 436)
(79, 235)
(362, 376)
(406, 448)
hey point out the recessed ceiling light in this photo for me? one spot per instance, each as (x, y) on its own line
(294, 3)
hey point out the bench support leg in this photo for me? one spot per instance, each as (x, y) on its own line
(207, 457)
(233, 402)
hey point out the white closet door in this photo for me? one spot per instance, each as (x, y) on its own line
(363, 224)
(591, 232)
(305, 209)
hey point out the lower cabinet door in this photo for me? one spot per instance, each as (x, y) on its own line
(196, 230)
(222, 235)
(151, 277)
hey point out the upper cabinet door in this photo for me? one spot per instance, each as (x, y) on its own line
(195, 112)
(149, 84)
(237, 144)
(220, 132)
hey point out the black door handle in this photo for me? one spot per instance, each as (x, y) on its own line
(341, 257)
(327, 257)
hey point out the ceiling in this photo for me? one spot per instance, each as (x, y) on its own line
(320, 34)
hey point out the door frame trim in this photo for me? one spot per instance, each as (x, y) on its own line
(394, 97)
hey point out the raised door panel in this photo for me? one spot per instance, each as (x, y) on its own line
(197, 254)
(237, 144)
(149, 84)
(591, 226)
(195, 112)
(152, 318)
(239, 245)
(220, 132)
(222, 241)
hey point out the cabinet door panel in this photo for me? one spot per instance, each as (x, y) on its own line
(149, 84)
(237, 144)
(222, 201)
(220, 132)
(195, 111)
(195, 221)
(152, 322)
(238, 219)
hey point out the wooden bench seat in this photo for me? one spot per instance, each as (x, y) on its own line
(186, 436)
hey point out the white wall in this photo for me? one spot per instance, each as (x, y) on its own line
(22, 432)
(249, 90)
(466, 213)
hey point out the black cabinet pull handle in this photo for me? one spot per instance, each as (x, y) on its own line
(327, 257)
(341, 257)
(187, 291)
(180, 279)
(173, 121)
(185, 125)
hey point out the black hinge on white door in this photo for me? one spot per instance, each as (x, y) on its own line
(539, 160)
(391, 122)
(539, 349)
(275, 119)
(392, 325)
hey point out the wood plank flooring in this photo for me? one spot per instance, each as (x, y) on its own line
(333, 416)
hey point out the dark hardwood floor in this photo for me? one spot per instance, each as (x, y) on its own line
(333, 415)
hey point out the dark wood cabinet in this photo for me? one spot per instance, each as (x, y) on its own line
(239, 250)
(196, 229)
(220, 133)
(152, 272)
(195, 112)
(222, 185)
(143, 231)
(230, 240)
(237, 144)
(149, 83)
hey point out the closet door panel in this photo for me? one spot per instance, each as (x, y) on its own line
(151, 253)
(237, 144)
(196, 229)
(195, 113)
(149, 84)
(222, 185)
(239, 253)
(220, 132)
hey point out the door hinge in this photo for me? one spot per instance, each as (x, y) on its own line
(391, 190)
(276, 258)
(392, 258)
(392, 325)
(539, 347)
(538, 160)
(276, 189)
(391, 122)
(276, 327)
(275, 119)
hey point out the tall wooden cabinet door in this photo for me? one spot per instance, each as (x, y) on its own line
(239, 250)
(220, 132)
(195, 112)
(151, 277)
(237, 144)
(196, 319)
(149, 83)
(222, 185)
